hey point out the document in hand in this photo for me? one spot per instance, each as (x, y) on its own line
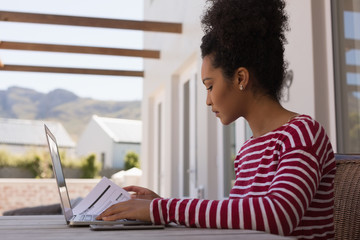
(103, 195)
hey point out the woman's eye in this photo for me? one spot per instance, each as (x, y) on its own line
(209, 88)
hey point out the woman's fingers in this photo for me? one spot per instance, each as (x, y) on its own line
(132, 209)
(116, 216)
(130, 188)
(139, 196)
(141, 193)
(137, 190)
(111, 210)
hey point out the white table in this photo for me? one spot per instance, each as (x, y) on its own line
(54, 227)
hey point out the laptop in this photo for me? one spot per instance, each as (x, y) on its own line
(70, 217)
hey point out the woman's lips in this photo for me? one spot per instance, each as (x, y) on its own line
(216, 113)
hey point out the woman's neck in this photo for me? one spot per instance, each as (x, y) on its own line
(266, 115)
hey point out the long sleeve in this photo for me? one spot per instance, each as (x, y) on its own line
(284, 185)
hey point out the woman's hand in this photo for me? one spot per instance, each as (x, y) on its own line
(141, 193)
(136, 209)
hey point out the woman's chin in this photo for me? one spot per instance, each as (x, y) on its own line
(224, 121)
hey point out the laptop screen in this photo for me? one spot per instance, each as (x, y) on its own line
(59, 175)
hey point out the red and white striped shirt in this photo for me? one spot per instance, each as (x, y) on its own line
(284, 185)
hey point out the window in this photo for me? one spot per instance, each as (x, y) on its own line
(187, 132)
(186, 139)
(229, 155)
(346, 36)
(160, 145)
(158, 166)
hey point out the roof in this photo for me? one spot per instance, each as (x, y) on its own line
(121, 130)
(31, 132)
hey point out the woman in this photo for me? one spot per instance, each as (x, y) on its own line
(285, 172)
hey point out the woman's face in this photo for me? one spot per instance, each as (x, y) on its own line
(224, 97)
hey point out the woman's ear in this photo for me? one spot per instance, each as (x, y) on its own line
(242, 78)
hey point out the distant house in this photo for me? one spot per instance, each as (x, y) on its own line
(19, 136)
(110, 139)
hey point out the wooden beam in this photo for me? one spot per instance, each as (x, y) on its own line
(351, 6)
(352, 44)
(23, 68)
(352, 69)
(352, 88)
(90, 22)
(79, 49)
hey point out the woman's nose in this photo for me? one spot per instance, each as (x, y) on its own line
(208, 100)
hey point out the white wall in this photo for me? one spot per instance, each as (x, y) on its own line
(177, 52)
(95, 140)
(309, 53)
(324, 68)
(120, 150)
(299, 54)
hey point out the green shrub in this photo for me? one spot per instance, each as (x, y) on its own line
(90, 167)
(131, 160)
(37, 162)
(68, 162)
(33, 165)
(5, 159)
(40, 165)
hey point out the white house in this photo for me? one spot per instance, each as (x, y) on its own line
(18, 136)
(110, 139)
(185, 150)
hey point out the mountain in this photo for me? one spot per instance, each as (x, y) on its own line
(64, 106)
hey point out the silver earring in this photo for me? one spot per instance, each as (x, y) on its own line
(241, 87)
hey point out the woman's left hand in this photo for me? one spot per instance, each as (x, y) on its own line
(138, 209)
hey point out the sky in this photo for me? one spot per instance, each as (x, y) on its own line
(97, 87)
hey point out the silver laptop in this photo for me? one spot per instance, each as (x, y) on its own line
(71, 219)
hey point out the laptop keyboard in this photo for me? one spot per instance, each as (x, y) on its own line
(85, 218)
(90, 218)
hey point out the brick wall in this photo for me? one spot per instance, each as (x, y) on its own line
(24, 192)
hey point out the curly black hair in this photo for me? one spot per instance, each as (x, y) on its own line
(250, 34)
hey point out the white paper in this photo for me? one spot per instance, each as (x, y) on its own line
(103, 195)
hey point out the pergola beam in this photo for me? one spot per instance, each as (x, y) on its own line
(352, 44)
(79, 49)
(351, 6)
(24, 68)
(352, 68)
(90, 22)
